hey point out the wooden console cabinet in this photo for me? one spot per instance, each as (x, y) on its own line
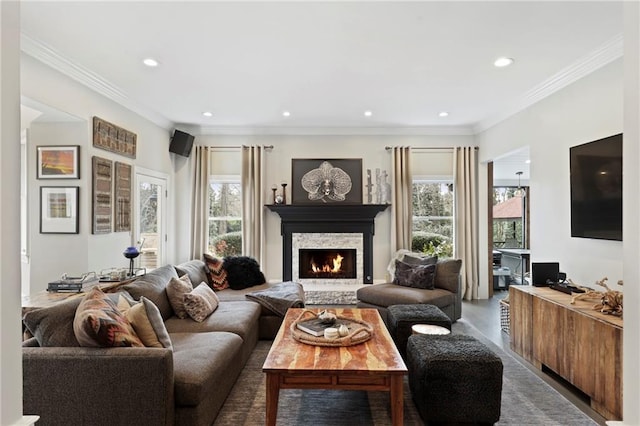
(578, 343)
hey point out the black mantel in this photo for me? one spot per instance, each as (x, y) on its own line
(326, 218)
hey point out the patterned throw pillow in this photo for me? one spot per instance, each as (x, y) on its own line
(216, 274)
(201, 302)
(99, 323)
(147, 322)
(416, 276)
(176, 289)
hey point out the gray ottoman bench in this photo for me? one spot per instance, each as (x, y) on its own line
(454, 379)
(403, 317)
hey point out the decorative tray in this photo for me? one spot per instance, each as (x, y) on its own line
(359, 331)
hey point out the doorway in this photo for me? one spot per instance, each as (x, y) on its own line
(150, 217)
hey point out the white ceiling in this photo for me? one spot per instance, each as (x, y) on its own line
(325, 62)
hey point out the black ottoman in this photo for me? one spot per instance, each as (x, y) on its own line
(454, 379)
(403, 317)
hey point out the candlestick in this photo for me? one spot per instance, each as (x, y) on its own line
(274, 188)
(284, 192)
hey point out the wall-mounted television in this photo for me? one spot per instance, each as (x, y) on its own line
(596, 189)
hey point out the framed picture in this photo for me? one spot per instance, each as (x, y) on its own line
(114, 138)
(102, 180)
(58, 162)
(122, 196)
(59, 209)
(315, 181)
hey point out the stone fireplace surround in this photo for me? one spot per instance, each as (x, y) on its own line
(328, 219)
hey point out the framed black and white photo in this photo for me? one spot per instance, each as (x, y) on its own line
(59, 209)
(317, 181)
(58, 162)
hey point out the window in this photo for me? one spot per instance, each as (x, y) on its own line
(433, 217)
(508, 217)
(225, 216)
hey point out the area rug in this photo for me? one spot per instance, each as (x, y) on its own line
(526, 399)
(312, 297)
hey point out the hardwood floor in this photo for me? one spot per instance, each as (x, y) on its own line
(485, 316)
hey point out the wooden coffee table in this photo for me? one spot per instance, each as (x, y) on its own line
(375, 365)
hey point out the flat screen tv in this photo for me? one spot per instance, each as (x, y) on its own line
(596, 189)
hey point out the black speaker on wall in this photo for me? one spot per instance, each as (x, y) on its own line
(181, 143)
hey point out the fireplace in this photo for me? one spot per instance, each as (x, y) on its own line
(328, 226)
(332, 263)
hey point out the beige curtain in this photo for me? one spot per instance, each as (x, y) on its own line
(401, 206)
(466, 218)
(252, 202)
(200, 202)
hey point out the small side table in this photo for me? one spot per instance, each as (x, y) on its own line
(429, 329)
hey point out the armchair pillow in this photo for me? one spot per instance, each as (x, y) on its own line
(448, 274)
(416, 276)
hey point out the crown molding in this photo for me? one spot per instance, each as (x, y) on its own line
(605, 54)
(50, 57)
(331, 131)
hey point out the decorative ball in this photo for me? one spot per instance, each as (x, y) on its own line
(279, 199)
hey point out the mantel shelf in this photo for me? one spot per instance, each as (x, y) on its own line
(327, 212)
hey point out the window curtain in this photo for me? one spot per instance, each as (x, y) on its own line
(466, 218)
(200, 202)
(401, 204)
(252, 202)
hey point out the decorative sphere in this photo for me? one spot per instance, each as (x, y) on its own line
(279, 199)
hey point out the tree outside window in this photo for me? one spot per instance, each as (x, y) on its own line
(225, 217)
(432, 231)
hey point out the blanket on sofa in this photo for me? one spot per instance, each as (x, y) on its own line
(280, 297)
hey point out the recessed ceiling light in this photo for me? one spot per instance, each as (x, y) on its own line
(503, 62)
(528, 162)
(368, 113)
(286, 113)
(150, 62)
(207, 114)
(443, 114)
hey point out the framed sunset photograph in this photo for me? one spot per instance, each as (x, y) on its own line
(58, 162)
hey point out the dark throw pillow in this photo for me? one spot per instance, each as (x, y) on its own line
(447, 274)
(416, 276)
(242, 272)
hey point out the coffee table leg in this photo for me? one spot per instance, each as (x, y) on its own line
(397, 400)
(273, 393)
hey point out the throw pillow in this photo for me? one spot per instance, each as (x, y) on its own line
(418, 259)
(99, 323)
(147, 322)
(176, 289)
(53, 326)
(416, 276)
(447, 274)
(216, 274)
(243, 272)
(201, 302)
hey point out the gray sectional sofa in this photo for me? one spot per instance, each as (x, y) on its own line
(186, 385)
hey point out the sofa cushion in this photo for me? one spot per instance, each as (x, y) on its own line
(53, 325)
(99, 323)
(240, 318)
(147, 322)
(176, 289)
(415, 275)
(391, 294)
(153, 287)
(216, 274)
(205, 365)
(201, 302)
(448, 274)
(196, 270)
(243, 272)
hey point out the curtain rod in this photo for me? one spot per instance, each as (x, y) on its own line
(236, 146)
(389, 148)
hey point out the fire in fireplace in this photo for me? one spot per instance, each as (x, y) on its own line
(327, 263)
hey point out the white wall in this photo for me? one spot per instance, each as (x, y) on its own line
(371, 149)
(587, 110)
(74, 254)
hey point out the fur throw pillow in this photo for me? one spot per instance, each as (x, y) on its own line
(242, 272)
